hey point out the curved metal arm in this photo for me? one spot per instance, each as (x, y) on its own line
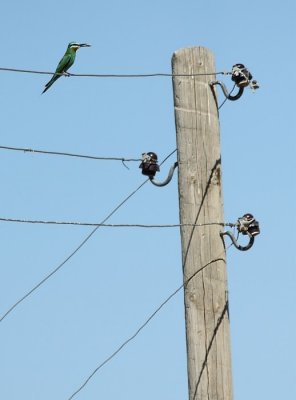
(234, 241)
(225, 91)
(168, 179)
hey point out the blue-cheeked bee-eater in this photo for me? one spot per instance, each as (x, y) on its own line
(66, 62)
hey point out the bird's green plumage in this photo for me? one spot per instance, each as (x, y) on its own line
(65, 63)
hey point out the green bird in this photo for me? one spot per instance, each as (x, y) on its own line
(66, 62)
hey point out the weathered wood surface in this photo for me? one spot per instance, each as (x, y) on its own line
(200, 194)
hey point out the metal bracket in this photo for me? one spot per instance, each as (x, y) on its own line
(149, 166)
(234, 241)
(241, 78)
(247, 225)
(168, 179)
(225, 91)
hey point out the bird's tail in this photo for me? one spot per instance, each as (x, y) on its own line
(49, 83)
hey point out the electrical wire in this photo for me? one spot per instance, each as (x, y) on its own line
(75, 223)
(58, 153)
(149, 75)
(78, 247)
(102, 224)
(126, 342)
(184, 284)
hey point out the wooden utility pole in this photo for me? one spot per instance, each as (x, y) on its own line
(201, 202)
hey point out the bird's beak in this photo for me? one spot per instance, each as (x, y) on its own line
(84, 45)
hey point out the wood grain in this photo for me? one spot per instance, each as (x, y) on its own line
(200, 196)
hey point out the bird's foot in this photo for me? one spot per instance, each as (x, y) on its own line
(66, 74)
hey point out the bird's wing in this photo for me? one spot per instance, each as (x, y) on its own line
(65, 63)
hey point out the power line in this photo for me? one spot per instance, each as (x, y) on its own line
(77, 223)
(70, 256)
(58, 153)
(78, 247)
(149, 75)
(185, 283)
(142, 326)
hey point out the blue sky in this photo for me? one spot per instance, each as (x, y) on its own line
(65, 329)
